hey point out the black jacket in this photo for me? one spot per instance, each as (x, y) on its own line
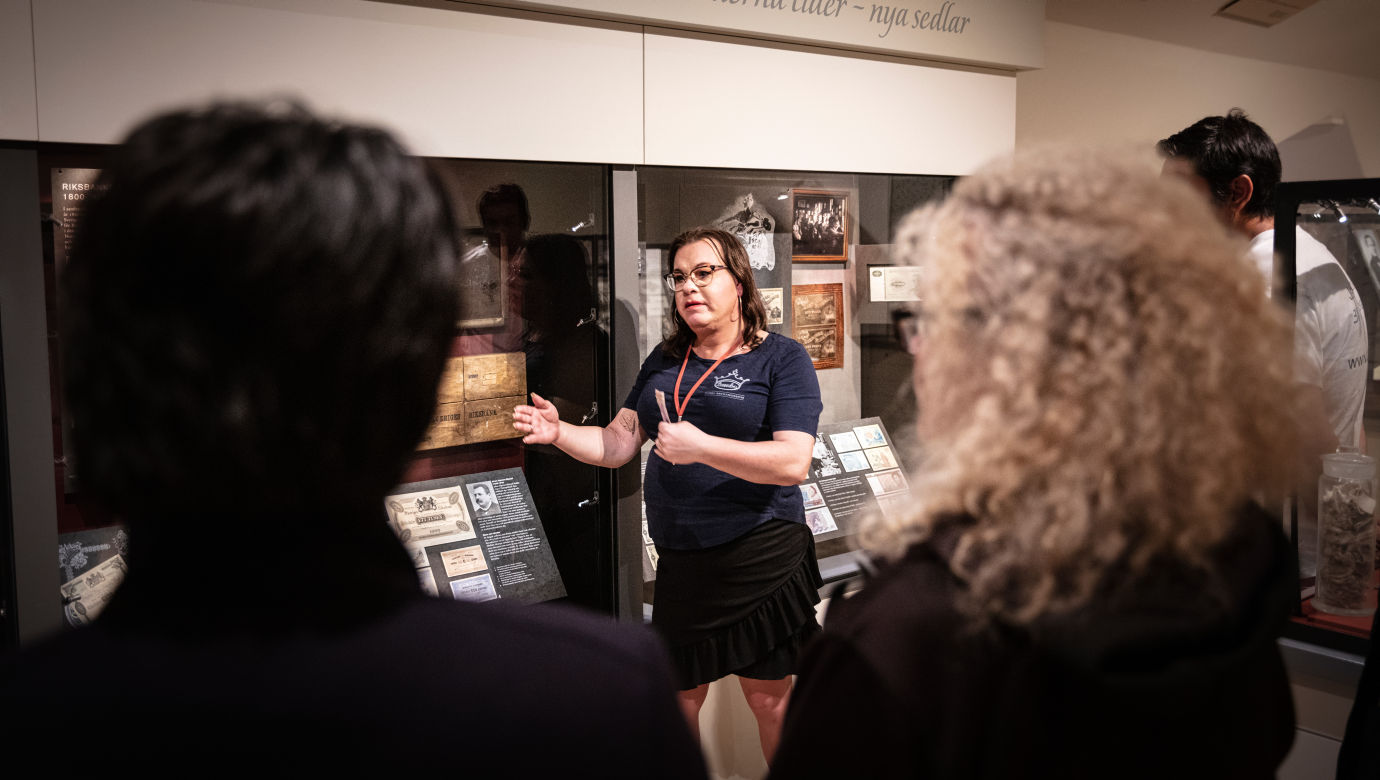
(1158, 680)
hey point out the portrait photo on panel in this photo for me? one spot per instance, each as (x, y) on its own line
(483, 499)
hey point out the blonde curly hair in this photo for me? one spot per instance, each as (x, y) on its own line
(1102, 380)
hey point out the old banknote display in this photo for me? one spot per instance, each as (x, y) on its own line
(91, 565)
(854, 470)
(85, 596)
(476, 537)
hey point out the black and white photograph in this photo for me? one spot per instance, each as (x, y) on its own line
(819, 226)
(823, 461)
(1369, 242)
(483, 500)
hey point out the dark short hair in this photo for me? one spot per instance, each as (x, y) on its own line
(256, 313)
(1224, 147)
(505, 193)
(727, 246)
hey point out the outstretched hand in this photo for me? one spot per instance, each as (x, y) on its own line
(539, 421)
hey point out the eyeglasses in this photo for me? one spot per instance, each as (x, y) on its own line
(907, 327)
(700, 276)
(912, 325)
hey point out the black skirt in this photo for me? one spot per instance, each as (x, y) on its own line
(745, 607)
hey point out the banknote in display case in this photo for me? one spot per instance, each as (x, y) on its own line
(91, 565)
(854, 470)
(474, 535)
(888, 283)
(85, 596)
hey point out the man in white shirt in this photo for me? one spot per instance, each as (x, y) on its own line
(1237, 166)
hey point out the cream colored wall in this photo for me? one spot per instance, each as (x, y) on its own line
(454, 83)
(1101, 87)
(18, 110)
(747, 105)
(461, 80)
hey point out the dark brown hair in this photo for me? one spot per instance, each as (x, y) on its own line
(735, 257)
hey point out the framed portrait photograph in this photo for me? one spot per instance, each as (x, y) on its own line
(819, 226)
(817, 313)
(1368, 240)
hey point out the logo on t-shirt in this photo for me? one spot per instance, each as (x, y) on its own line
(733, 381)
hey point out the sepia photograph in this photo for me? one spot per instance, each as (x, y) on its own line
(819, 226)
(817, 314)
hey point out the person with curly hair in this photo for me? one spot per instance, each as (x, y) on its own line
(1087, 585)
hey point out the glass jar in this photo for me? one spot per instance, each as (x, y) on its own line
(1346, 534)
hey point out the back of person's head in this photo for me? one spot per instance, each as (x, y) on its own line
(1224, 147)
(504, 215)
(256, 313)
(1101, 379)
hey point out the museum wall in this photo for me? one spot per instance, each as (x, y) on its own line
(744, 105)
(465, 81)
(1100, 87)
(456, 84)
(18, 112)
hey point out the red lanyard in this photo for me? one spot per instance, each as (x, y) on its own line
(680, 407)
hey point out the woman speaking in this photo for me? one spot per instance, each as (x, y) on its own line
(733, 411)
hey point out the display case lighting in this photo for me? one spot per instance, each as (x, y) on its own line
(1335, 209)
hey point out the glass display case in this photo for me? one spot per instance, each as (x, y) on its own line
(537, 295)
(534, 318)
(1327, 246)
(819, 245)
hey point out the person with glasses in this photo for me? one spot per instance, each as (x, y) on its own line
(1084, 585)
(733, 411)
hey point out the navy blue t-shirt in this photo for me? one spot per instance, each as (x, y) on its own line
(749, 397)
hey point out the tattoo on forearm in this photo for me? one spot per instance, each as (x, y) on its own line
(628, 420)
